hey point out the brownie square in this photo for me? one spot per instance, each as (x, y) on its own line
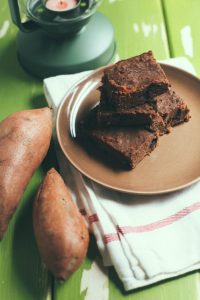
(132, 82)
(171, 108)
(122, 147)
(143, 115)
(165, 111)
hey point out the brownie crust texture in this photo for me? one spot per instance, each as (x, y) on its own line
(123, 147)
(132, 82)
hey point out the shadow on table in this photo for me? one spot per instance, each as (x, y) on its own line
(26, 260)
(38, 101)
(119, 286)
(10, 67)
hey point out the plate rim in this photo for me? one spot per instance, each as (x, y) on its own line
(127, 191)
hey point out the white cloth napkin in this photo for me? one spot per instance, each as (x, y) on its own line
(145, 238)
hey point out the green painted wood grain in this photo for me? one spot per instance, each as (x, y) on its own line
(182, 20)
(139, 26)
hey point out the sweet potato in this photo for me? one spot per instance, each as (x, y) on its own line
(61, 234)
(24, 141)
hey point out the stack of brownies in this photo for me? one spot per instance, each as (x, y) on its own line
(136, 105)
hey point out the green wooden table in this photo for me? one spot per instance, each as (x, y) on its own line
(170, 29)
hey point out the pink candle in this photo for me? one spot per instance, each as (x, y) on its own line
(60, 5)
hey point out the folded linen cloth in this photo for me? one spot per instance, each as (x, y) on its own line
(145, 238)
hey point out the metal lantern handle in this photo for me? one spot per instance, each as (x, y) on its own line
(27, 26)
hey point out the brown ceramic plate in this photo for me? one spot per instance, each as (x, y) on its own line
(173, 165)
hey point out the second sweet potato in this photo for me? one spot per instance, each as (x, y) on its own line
(60, 230)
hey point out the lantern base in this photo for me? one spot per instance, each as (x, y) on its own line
(44, 56)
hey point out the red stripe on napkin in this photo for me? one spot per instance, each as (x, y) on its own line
(161, 223)
(110, 237)
(152, 226)
(93, 218)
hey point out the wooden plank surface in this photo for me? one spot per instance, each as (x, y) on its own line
(182, 21)
(139, 26)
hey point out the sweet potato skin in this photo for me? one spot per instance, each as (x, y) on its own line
(61, 234)
(24, 141)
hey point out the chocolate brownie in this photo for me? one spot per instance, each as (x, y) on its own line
(132, 82)
(167, 110)
(171, 108)
(124, 147)
(143, 115)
